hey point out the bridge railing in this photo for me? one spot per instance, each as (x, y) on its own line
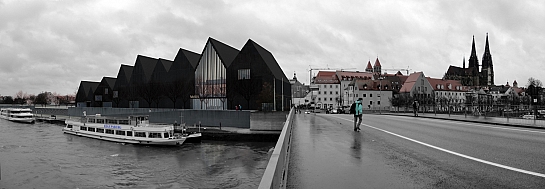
(277, 170)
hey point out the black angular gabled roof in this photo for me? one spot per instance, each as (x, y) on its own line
(269, 60)
(143, 69)
(123, 76)
(191, 57)
(166, 63)
(226, 53)
(86, 88)
(110, 81)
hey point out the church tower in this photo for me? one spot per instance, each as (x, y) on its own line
(474, 65)
(369, 68)
(487, 71)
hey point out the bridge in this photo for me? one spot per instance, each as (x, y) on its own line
(402, 151)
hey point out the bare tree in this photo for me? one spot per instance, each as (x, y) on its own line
(535, 82)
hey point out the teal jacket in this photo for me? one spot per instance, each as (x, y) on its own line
(358, 108)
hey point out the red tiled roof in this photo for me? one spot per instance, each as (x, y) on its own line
(377, 63)
(325, 73)
(348, 74)
(409, 82)
(444, 84)
(369, 65)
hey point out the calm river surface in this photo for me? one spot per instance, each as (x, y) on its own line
(41, 156)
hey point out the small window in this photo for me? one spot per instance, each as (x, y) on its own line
(69, 126)
(105, 90)
(358, 95)
(330, 92)
(330, 99)
(243, 74)
(319, 99)
(100, 121)
(337, 92)
(98, 98)
(370, 95)
(91, 129)
(378, 102)
(124, 122)
(118, 132)
(319, 92)
(336, 86)
(331, 86)
(370, 102)
(154, 135)
(129, 133)
(82, 128)
(109, 131)
(91, 120)
(364, 95)
(166, 135)
(100, 130)
(140, 134)
(116, 94)
(111, 121)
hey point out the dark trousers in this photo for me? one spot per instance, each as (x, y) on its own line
(356, 122)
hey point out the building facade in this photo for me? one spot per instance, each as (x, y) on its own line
(219, 78)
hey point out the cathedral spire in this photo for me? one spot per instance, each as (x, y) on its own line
(486, 48)
(464, 62)
(473, 60)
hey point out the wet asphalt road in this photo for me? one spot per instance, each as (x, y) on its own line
(413, 152)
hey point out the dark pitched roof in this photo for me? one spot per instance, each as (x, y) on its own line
(166, 63)
(127, 71)
(192, 57)
(148, 64)
(110, 81)
(269, 60)
(226, 53)
(123, 76)
(86, 88)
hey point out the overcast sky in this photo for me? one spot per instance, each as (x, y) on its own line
(53, 45)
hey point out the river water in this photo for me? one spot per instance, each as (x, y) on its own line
(41, 156)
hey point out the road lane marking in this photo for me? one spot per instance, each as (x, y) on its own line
(454, 153)
(481, 125)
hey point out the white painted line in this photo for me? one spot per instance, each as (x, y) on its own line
(456, 153)
(481, 125)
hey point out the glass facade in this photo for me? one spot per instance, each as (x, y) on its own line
(210, 81)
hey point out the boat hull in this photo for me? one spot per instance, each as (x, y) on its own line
(126, 139)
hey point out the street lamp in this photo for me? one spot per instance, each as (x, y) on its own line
(380, 96)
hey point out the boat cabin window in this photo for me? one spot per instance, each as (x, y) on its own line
(69, 126)
(109, 131)
(100, 130)
(83, 128)
(129, 133)
(154, 135)
(166, 135)
(140, 134)
(100, 121)
(111, 121)
(123, 122)
(118, 132)
(91, 129)
(91, 120)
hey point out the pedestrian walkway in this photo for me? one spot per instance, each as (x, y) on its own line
(326, 153)
(519, 122)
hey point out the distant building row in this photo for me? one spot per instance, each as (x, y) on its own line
(221, 77)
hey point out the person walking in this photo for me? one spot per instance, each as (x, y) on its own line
(357, 110)
(415, 108)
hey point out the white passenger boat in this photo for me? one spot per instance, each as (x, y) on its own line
(22, 115)
(130, 130)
